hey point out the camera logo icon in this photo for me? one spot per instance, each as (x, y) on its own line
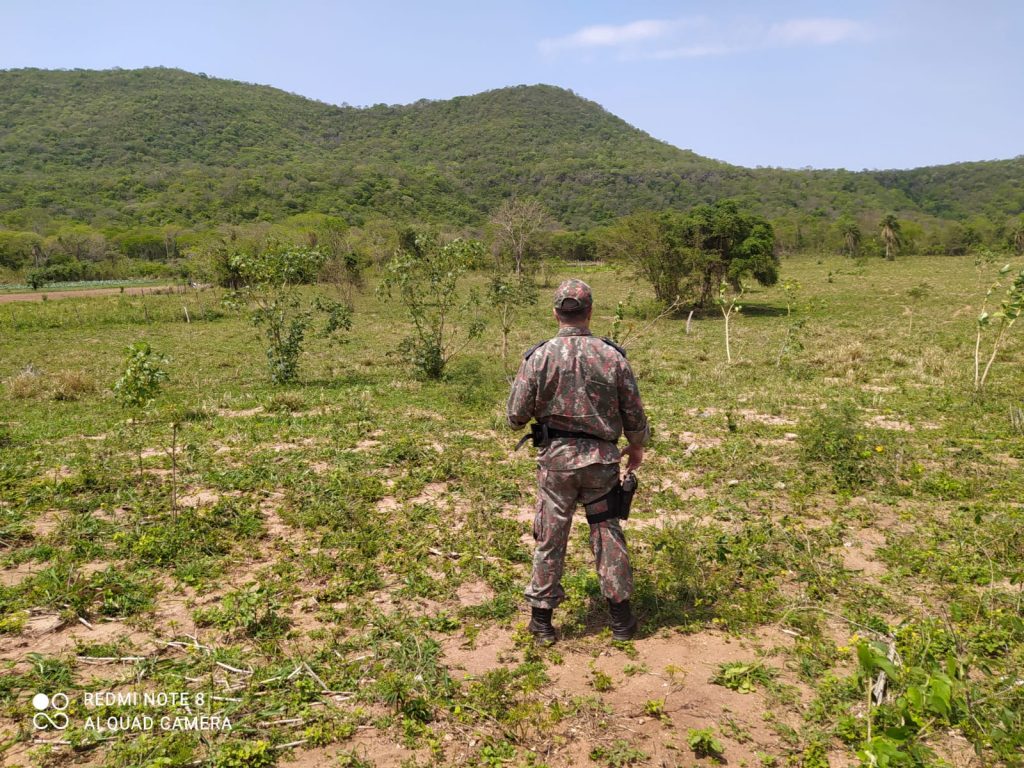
(50, 712)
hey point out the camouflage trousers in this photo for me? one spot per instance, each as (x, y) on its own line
(559, 491)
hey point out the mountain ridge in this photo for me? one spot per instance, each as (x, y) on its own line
(149, 146)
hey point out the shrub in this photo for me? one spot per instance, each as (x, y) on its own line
(619, 754)
(425, 276)
(834, 437)
(271, 277)
(140, 382)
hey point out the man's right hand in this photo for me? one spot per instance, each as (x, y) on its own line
(635, 456)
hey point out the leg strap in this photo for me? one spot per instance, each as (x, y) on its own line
(607, 507)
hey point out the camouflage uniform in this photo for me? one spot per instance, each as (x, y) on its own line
(581, 383)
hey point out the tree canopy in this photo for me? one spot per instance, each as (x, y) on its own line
(688, 256)
(123, 149)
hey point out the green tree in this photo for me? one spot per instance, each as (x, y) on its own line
(1017, 234)
(18, 248)
(79, 242)
(892, 235)
(728, 245)
(271, 279)
(571, 246)
(139, 384)
(690, 255)
(509, 296)
(148, 243)
(850, 233)
(426, 277)
(1000, 321)
(650, 242)
(143, 374)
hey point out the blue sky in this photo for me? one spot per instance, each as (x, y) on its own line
(865, 84)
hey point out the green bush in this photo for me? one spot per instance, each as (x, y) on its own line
(425, 277)
(835, 438)
(271, 277)
(143, 374)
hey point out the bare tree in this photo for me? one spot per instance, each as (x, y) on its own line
(516, 223)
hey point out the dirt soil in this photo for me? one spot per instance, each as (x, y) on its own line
(140, 290)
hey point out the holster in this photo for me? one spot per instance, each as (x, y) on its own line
(539, 435)
(615, 504)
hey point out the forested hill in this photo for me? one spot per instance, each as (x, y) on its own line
(153, 146)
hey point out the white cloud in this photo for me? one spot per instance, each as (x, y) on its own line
(699, 37)
(814, 31)
(608, 35)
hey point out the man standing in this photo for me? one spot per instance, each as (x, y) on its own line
(583, 392)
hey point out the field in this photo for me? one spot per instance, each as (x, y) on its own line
(11, 293)
(337, 565)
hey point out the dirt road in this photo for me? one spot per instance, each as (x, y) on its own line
(137, 290)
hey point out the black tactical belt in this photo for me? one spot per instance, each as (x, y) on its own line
(542, 434)
(553, 433)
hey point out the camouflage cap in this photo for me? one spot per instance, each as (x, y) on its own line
(573, 295)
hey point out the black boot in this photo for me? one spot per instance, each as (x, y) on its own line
(623, 621)
(540, 626)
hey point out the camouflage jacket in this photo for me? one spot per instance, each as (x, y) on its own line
(582, 383)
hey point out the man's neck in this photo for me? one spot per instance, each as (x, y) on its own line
(564, 329)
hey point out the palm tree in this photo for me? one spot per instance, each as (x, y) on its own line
(892, 236)
(851, 236)
(1018, 235)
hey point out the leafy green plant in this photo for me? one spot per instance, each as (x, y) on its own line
(509, 296)
(174, 750)
(1000, 321)
(139, 385)
(351, 760)
(497, 755)
(833, 436)
(704, 744)
(245, 754)
(601, 681)
(425, 276)
(142, 376)
(656, 708)
(271, 278)
(742, 677)
(618, 754)
(931, 696)
(254, 609)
